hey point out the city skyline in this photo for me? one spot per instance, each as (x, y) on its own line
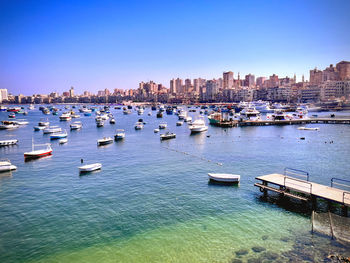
(93, 46)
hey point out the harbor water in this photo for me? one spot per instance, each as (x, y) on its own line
(152, 201)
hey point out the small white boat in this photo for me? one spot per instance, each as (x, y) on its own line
(90, 167)
(112, 121)
(58, 135)
(5, 166)
(163, 125)
(138, 126)
(308, 129)
(52, 129)
(120, 135)
(76, 125)
(156, 130)
(179, 123)
(63, 141)
(38, 153)
(150, 114)
(140, 111)
(225, 178)
(167, 136)
(65, 116)
(104, 141)
(8, 125)
(8, 142)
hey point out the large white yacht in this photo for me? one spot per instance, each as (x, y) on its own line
(250, 114)
(198, 125)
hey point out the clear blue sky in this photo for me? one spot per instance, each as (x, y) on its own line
(52, 45)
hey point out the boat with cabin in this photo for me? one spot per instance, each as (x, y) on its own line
(38, 153)
(8, 125)
(104, 141)
(65, 116)
(120, 135)
(162, 125)
(6, 165)
(198, 125)
(8, 142)
(167, 136)
(52, 129)
(76, 125)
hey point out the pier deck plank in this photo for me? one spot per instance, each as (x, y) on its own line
(302, 186)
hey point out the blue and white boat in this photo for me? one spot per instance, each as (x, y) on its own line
(58, 135)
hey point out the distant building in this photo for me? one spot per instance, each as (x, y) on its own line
(249, 80)
(178, 86)
(343, 68)
(3, 95)
(228, 80)
(71, 92)
(172, 86)
(260, 81)
(188, 85)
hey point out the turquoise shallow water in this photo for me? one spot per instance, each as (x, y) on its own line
(152, 202)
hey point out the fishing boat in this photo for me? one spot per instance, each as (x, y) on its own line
(38, 128)
(104, 141)
(163, 125)
(156, 130)
(8, 125)
(198, 125)
(159, 114)
(250, 114)
(215, 118)
(8, 142)
(308, 129)
(38, 153)
(120, 135)
(90, 167)
(179, 123)
(167, 136)
(126, 111)
(5, 165)
(12, 115)
(56, 136)
(140, 111)
(188, 119)
(65, 116)
(112, 121)
(224, 178)
(100, 123)
(63, 141)
(44, 122)
(52, 129)
(138, 125)
(76, 125)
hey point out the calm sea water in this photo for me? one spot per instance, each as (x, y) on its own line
(152, 202)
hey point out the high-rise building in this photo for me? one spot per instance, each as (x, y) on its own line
(172, 86)
(3, 95)
(71, 92)
(343, 69)
(211, 89)
(316, 76)
(249, 80)
(196, 85)
(188, 85)
(260, 81)
(178, 86)
(228, 80)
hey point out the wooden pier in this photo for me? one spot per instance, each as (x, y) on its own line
(234, 123)
(302, 189)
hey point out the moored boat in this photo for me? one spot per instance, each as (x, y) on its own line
(104, 141)
(198, 125)
(65, 116)
(167, 136)
(8, 125)
(52, 129)
(224, 178)
(5, 166)
(120, 135)
(308, 129)
(63, 141)
(8, 142)
(76, 125)
(90, 167)
(56, 136)
(138, 125)
(163, 125)
(38, 153)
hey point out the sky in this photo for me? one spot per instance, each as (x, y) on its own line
(52, 45)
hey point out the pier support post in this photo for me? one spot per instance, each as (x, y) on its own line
(313, 202)
(344, 210)
(265, 191)
(329, 206)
